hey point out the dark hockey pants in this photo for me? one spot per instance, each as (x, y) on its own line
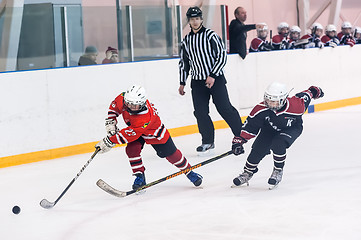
(268, 140)
(201, 96)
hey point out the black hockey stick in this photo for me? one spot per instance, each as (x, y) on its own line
(109, 189)
(46, 204)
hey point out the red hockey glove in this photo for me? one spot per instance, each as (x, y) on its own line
(237, 145)
(316, 92)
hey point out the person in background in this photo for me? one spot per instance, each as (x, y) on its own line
(330, 37)
(89, 57)
(280, 41)
(260, 43)
(238, 32)
(345, 36)
(144, 126)
(203, 57)
(314, 39)
(357, 34)
(111, 56)
(276, 123)
(294, 41)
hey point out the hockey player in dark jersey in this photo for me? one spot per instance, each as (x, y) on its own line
(314, 39)
(277, 123)
(260, 43)
(345, 35)
(280, 41)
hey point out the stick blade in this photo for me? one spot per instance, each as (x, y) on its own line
(109, 189)
(46, 204)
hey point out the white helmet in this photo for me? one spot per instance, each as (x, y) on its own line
(275, 96)
(282, 25)
(260, 31)
(316, 26)
(331, 28)
(346, 25)
(295, 29)
(133, 97)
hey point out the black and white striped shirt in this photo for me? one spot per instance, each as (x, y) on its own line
(202, 54)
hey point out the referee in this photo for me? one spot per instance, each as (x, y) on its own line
(203, 56)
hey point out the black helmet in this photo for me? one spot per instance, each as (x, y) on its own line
(194, 12)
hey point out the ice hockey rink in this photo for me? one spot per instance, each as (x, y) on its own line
(319, 197)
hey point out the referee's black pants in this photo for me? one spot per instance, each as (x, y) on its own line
(201, 96)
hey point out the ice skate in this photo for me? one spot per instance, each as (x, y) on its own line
(242, 179)
(205, 148)
(275, 178)
(139, 181)
(195, 178)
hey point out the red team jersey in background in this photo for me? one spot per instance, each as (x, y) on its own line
(145, 124)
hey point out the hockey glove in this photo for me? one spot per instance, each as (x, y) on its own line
(332, 44)
(237, 145)
(111, 126)
(105, 145)
(316, 92)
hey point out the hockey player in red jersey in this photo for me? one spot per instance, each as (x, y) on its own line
(277, 123)
(345, 35)
(260, 43)
(330, 38)
(280, 41)
(144, 126)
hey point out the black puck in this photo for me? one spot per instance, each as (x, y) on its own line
(16, 209)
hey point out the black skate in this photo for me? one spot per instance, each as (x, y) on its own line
(242, 179)
(205, 148)
(195, 178)
(139, 181)
(275, 178)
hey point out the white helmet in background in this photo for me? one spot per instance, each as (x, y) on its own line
(316, 26)
(282, 25)
(295, 29)
(331, 28)
(262, 32)
(346, 25)
(275, 96)
(135, 99)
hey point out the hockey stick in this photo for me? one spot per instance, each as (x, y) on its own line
(47, 205)
(109, 189)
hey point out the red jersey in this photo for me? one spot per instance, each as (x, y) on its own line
(145, 124)
(346, 39)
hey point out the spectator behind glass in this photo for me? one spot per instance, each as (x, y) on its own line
(111, 56)
(238, 32)
(89, 57)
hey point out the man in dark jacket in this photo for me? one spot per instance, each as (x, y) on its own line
(238, 32)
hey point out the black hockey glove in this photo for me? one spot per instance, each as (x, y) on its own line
(316, 92)
(237, 145)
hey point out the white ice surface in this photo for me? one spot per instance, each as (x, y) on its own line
(319, 197)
